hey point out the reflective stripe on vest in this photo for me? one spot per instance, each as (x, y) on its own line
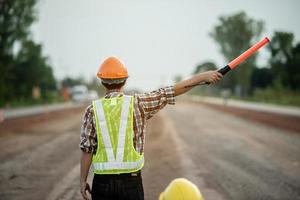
(116, 164)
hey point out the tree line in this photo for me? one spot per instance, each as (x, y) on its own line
(236, 33)
(23, 66)
(25, 72)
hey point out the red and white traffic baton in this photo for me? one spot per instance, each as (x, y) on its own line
(240, 58)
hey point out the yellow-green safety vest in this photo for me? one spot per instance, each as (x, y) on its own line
(114, 126)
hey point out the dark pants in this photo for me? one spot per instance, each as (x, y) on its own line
(118, 187)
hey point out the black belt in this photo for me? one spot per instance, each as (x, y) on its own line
(133, 174)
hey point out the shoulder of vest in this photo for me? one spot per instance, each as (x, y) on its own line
(97, 100)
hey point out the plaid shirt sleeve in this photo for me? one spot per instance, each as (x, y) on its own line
(154, 101)
(88, 137)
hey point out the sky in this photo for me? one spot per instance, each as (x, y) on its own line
(156, 39)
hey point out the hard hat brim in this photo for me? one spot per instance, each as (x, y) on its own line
(106, 76)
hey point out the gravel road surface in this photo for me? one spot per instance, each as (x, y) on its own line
(227, 156)
(244, 159)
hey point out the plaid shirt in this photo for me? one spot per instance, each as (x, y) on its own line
(145, 106)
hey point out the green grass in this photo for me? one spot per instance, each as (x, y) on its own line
(281, 97)
(274, 96)
(51, 97)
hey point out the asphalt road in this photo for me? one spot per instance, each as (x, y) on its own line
(227, 157)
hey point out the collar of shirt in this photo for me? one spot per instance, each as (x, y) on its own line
(113, 93)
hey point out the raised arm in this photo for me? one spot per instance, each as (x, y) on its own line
(209, 77)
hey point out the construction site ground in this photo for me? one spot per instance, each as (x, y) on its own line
(229, 153)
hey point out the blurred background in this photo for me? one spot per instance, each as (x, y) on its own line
(48, 46)
(248, 123)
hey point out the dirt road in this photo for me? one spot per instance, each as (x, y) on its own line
(226, 156)
(37, 153)
(243, 159)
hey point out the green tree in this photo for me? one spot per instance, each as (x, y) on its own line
(294, 68)
(32, 69)
(15, 19)
(285, 60)
(261, 78)
(70, 82)
(205, 67)
(235, 34)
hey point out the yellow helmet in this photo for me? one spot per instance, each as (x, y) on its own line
(181, 189)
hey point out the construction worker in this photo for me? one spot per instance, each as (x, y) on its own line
(181, 189)
(113, 132)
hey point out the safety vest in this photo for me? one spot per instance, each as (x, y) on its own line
(114, 126)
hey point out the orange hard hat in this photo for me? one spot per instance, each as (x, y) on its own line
(112, 68)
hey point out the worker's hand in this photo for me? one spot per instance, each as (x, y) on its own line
(212, 77)
(84, 186)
